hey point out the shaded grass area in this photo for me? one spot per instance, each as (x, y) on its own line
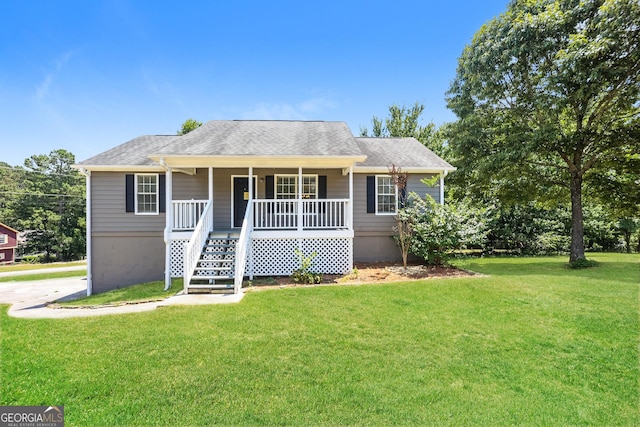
(151, 291)
(534, 343)
(25, 267)
(44, 276)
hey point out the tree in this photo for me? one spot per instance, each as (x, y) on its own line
(403, 122)
(404, 223)
(188, 126)
(51, 208)
(544, 93)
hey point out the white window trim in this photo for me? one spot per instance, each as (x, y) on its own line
(135, 185)
(4, 239)
(376, 196)
(295, 176)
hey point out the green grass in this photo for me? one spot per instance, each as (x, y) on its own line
(534, 343)
(24, 267)
(44, 276)
(151, 291)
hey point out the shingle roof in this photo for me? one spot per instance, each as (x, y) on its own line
(407, 153)
(269, 138)
(132, 153)
(265, 138)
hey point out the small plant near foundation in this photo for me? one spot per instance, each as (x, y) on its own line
(303, 273)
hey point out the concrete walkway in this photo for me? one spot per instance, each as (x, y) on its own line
(43, 270)
(30, 299)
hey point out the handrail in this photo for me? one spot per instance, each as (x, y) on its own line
(242, 247)
(193, 248)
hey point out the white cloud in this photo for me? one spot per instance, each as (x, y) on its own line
(42, 89)
(308, 109)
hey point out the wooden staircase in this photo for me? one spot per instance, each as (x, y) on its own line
(215, 270)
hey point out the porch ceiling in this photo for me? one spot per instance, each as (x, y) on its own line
(186, 161)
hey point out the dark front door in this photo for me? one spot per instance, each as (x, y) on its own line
(241, 198)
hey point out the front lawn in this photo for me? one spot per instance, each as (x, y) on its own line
(533, 343)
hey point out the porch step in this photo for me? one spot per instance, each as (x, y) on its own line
(216, 262)
(218, 277)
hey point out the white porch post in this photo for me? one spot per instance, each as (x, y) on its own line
(168, 227)
(442, 187)
(250, 182)
(350, 207)
(300, 216)
(211, 192)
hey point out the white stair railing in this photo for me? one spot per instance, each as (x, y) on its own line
(242, 247)
(193, 248)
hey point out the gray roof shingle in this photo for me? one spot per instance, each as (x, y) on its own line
(272, 138)
(407, 153)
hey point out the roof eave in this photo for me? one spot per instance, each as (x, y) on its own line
(119, 168)
(411, 169)
(189, 161)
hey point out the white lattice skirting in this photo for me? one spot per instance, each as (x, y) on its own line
(276, 257)
(177, 257)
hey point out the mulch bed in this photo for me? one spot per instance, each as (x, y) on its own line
(371, 273)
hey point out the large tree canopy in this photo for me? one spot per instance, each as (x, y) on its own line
(546, 93)
(404, 122)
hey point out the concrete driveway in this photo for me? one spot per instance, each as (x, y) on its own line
(30, 299)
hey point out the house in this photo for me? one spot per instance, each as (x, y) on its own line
(8, 243)
(183, 206)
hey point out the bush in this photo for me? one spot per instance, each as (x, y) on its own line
(441, 229)
(303, 273)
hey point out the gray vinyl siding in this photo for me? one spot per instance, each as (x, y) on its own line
(108, 210)
(373, 233)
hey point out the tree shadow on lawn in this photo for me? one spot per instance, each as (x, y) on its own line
(617, 271)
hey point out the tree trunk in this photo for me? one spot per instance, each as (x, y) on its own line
(577, 223)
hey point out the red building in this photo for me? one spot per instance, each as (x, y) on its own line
(8, 243)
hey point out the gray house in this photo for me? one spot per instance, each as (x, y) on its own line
(237, 198)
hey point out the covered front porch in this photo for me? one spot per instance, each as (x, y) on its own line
(262, 224)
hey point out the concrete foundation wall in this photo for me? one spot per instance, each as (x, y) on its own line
(124, 260)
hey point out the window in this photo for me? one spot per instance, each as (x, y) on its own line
(287, 187)
(386, 195)
(3, 239)
(147, 194)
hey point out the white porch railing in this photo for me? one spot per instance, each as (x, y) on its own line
(187, 213)
(317, 214)
(193, 249)
(242, 247)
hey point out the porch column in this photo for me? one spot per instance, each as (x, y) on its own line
(211, 192)
(300, 216)
(442, 188)
(250, 182)
(168, 227)
(350, 207)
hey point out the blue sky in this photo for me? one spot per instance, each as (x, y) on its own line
(86, 76)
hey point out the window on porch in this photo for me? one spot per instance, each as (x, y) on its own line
(287, 186)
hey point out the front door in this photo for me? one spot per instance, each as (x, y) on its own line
(241, 198)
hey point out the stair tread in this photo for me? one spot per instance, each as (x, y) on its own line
(213, 268)
(212, 286)
(220, 277)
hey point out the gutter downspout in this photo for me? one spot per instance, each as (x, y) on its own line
(87, 174)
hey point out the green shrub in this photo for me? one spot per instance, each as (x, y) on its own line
(303, 273)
